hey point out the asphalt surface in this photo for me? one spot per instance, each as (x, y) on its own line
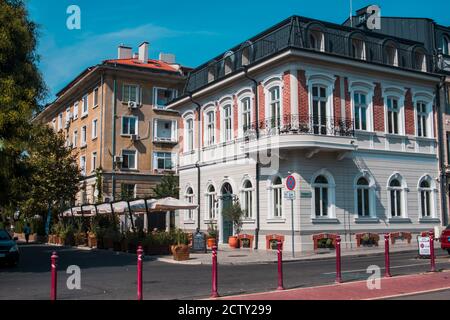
(110, 275)
(438, 295)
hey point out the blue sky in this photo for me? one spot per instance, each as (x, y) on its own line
(195, 30)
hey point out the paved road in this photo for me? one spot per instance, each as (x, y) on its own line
(438, 295)
(110, 275)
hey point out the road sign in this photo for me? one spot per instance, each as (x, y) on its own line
(290, 183)
(289, 195)
(424, 246)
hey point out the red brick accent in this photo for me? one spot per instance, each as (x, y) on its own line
(400, 235)
(235, 116)
(196, 123)
(337, 99)
(378, 109)
(286, 93)
(202, 116)
(409, 113)
(348, 104)
(271, 237)
(262, 103)
(246, 236)
(181, 134)
(317, 237)
(359, 237)
(217, 133)
(303, 102)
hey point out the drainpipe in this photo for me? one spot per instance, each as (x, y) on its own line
(113, 176)
(441, 143)
(258, 169)
(197, 164)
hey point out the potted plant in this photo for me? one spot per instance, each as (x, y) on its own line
(180, 251)
(213, 234)
(234, 214)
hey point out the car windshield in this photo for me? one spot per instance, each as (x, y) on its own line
(4, 235)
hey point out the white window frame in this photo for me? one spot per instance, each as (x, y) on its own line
(269, 85)
(224, 137)
(211, 203)
(433, 191)
(276, 191)
(83, 141)
(189, 198)
(136, 119)
(75, 139)
(95, 95)
(138, 92)
(207, 133)
(372, 195)
(445, 45)
(155, 101)
(173, 130)
(135, 159)
(426, 98)
(331, 210)
(244, 196)
(399, 94)
(325, 80)
(363, 87)
(362, 54)
(94, 129)
(156, 158)
(94, 159)
(84, 106)
(60, 121)
(190, 135)
(319, 38)
(403, 194)
(75, 110)
(68, 114)
(83, 165)
(393, 45)
(242, 115)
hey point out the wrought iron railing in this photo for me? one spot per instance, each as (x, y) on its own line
(296, 33)
(301, 124)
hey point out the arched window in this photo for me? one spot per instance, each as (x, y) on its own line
(363, 197)
(246, 114)
(393, 114)
(422, 119)
(211, 203)
(419, 59)
(319, 109)
(390, 53)
(227, 127)
(321, 196)
(211, 73)
(189, 134)
(189, 196)
(277, 198)
(445, 45)
(228, 63)
(360, 105)
(247, 199)
(210, 123)
(397, 196)
(275, 106)
(316, 39)
(358, 47)
(427, 205)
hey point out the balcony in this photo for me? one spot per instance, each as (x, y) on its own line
(309, 132)
(165, 131)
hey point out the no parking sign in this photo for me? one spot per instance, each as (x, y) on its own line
(290, 183)
(424, 246)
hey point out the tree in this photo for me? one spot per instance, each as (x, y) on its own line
(21, 90)
(235, 214)
(168, 187)
(54, 174)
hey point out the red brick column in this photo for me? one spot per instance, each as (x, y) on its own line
(378, 109)
(181, 134)
(303, 103)
(409, 113)
(235, 116)
(337, 100)
(348, 104)
(262, 104)
(287, 94)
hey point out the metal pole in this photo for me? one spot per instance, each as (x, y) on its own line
(293, 232)
(139, 273)
(338, 260)
(214, 293)
(54, 261)
(432, 257)
(280, 267)
(387, 272)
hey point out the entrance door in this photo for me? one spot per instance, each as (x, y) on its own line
(227, 201)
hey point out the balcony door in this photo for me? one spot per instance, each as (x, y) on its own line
(319, 109)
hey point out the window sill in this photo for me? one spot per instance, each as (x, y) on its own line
(188, 153)
(165, 141)
(428, 139)
(276, 220)
(367, 220)
(95, 106)
(211, 147)
(394, 135)
(249, 221)
(429, 220)
(83, 146)
(84, 116)
(95, 138)
(209, 221)
(164, 110)
(399, 220)
(325, 221)
(189, 221)
(365, 133)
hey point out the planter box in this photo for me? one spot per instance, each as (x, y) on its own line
(92, 241)
(180, 252)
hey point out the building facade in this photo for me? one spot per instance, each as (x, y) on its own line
(349, 113)
(114, 117)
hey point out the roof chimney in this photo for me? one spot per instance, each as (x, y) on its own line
(167, 57)
(124, 52)
(143, 52)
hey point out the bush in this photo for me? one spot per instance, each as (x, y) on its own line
(325, 243)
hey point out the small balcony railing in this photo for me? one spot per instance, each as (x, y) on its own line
(302, 125)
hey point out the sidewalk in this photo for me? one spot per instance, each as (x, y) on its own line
(390, 287)
(229, 256)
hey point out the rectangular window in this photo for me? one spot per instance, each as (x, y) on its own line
(319, 112)
(210, 129)
(94, 129)
(127, 191)
(68, 115)
(275, 107)
(393, 116)
(83, 165)
(360, 105)
(95, 97)
(228, 129)
(129, 159)
(130, 93)
(83, 136)
(129, 125)
(94, 161)
(75, 110)
(190, 135)
(60, 121)
(84, 110)
(246, 114)
(75, 138)
(422, 116)
(164, 130)
(162, 97)
(163, 161)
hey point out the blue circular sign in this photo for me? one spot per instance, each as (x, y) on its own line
(290, 183)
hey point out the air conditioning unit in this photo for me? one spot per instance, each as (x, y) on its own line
(132, 105)
(118, 159)
(134, 137)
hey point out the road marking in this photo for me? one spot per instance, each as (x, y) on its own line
(410, 294)
(394, 267)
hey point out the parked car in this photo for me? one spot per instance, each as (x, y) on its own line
(9, 251)
(445, 239)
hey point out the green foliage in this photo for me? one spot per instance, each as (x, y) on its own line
(168, 187)
(235, 214)
(213, 232)
(325, 243)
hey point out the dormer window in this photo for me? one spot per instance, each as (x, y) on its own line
(358, 48)
(420, 62)
(390, 53)
(316, 40)
(445, 45)
(211, 73)
(228, 63)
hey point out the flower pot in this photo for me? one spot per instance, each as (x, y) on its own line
(181, 252)
(92, 241)
(233, 242)
(211, 242)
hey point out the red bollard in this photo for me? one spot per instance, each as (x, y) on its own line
(387, 272)
(139, 273)
(54, 261)
(280, 267)
(338, 260)
(214, 293)
(432, 257)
